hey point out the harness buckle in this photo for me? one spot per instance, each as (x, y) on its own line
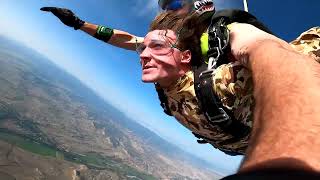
(223, 117)
(218, 42)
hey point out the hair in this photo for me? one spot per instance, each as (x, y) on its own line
(188, 29)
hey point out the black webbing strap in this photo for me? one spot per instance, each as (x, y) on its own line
(204, 140)
(215, 112)
(209, 102)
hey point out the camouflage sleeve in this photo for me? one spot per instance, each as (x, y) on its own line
(308, 43)
(233, 84)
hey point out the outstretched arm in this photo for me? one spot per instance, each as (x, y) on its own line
(114, 37)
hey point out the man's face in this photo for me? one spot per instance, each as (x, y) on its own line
(161, 63)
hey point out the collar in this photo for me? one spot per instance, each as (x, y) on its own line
(182, 84)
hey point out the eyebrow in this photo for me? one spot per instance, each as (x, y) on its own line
(157, 40)
(169, 39)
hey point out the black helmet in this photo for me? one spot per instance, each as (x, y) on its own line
(164, 3)
(200, 6)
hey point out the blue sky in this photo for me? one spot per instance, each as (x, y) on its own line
(115, 73)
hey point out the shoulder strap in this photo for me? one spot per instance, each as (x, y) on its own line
(209, 102)
(214, 111)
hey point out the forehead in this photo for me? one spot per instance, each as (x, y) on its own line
(160, 35)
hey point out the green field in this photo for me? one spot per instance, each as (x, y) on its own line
(92, 160)
(29, 145)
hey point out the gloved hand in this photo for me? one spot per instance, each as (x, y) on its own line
(66, 16)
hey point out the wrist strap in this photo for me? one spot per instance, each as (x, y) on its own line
(103, 33)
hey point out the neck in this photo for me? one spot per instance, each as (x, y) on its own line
(167, 83)
(170, 82)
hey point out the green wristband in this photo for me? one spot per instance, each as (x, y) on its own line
(103, 33)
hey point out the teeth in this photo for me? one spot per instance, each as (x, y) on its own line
(199, 4)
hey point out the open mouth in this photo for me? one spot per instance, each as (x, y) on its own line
(147, 67)
(204, 6)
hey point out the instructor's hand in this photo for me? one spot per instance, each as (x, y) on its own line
(66, 16)
(245, 38)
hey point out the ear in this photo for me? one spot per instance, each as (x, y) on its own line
(186, 57)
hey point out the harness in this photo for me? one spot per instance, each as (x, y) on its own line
(209, 102)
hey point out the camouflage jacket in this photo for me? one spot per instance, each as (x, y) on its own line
(233, 84)
(308, 43)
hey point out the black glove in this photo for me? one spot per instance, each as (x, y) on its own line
(66, 16)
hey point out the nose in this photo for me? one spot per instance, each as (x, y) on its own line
(145, 56)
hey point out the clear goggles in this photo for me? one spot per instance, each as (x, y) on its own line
(157, 47)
